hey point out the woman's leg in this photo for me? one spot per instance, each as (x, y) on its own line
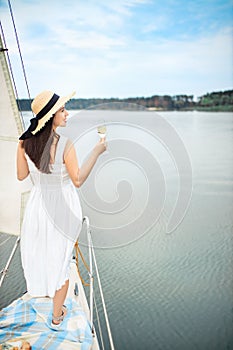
(59, 299)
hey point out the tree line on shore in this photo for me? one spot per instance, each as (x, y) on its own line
(214, 101)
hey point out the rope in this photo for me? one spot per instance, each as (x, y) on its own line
(78, 252)
(21, 58)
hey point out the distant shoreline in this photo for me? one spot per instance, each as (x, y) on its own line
(221, 101)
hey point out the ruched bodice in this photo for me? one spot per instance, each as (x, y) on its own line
(58, 176)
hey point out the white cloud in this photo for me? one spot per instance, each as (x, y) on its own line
(91, 51)
(169, 67)
(72, 39)
(157, 23)
(124, 7)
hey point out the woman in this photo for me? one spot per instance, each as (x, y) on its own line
(53, 216)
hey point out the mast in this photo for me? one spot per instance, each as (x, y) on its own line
(12, 192)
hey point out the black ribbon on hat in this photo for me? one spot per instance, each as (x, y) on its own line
(34, 121)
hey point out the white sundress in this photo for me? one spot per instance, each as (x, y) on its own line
(51, 225)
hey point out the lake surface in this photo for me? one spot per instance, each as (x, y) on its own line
(167, 280)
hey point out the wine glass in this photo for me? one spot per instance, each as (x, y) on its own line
(101, 129)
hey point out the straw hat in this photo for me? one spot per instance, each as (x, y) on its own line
(44, 106)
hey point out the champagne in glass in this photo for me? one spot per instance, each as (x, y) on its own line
(101, 129)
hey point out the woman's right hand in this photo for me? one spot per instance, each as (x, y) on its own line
(100, 147)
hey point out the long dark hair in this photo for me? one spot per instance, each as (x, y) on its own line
(38, 147)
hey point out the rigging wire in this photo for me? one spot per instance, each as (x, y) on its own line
(4, 49)
(20, 53)
(17, 40)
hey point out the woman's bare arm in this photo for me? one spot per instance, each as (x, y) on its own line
(79, 175)
(22, 164)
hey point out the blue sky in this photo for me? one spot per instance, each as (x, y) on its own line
(122, 48)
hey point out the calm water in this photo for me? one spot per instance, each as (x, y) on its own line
(163, 290)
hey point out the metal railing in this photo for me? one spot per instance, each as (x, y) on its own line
(5, 269)
(92, 259)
